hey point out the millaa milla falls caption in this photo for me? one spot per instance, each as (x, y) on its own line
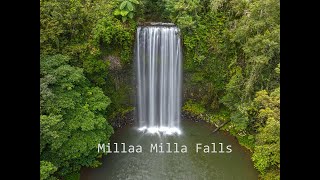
(164, 148)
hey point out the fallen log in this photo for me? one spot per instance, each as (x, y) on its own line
(223, 124)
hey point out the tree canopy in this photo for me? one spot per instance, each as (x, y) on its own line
(72, 118)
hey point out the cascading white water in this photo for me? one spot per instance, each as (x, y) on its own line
(158, 57)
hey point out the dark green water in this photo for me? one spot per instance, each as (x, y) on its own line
(191, 165)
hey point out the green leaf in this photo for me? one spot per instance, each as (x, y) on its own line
(130, 6)
(134, 1)
(123, 4)
(124, 12)
(117, 12)
(130, 15)
(124, 18)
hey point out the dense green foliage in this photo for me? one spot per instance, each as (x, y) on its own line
(72, 118)
(267, 147)
(231, 70)
(94, 39)
(46, 169)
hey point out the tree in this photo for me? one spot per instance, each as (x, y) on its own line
(72, 118)
(46, 170)
(266, 154)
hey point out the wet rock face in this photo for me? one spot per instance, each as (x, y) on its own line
(115, 63)
(186, 115)
(122, 120)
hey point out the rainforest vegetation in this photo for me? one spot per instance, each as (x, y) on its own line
(231, 74)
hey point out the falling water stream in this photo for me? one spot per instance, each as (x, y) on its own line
(158, 66)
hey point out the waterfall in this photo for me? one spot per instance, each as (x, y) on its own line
(158, 58)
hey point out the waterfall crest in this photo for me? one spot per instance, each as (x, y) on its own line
(158, 57)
